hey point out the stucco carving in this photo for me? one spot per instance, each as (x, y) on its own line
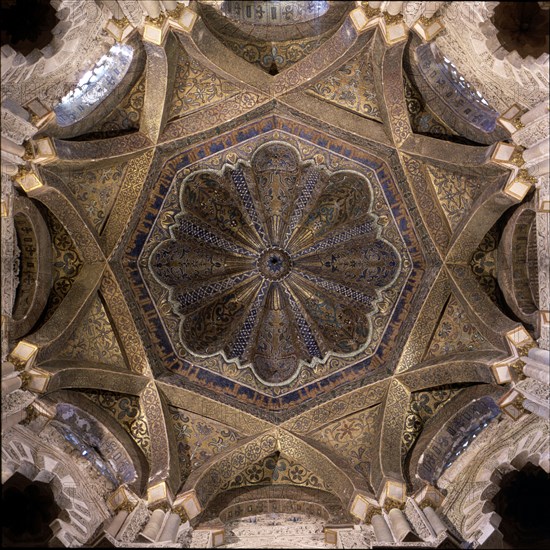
(10, 261)
(217, 134)
(471, 474)
(500, 82)
(73, 486)
(16, 128)
(532, 133)
(58, 67)
(16, 401)
(138, 518)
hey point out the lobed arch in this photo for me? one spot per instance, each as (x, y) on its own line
(436, 437)
(38, 459)
(472, 481)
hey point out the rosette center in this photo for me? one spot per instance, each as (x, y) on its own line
(274, 264)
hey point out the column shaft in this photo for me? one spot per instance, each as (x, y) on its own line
(537, 112)
(540, 168)
(12, 147)
(170, 5)
(116, 524)
(170, 529)
(393, 8)
(540, 151)
(13, 419)
(381, 529)
(536, 370)
(7, 368)
(435, 521)
(399, 523)
(540, 355)
(537, 409)
(152, 7)
(10, 384)
(153, 527)
(9, 168)
(430, 8)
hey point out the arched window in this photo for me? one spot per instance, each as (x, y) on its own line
(462, 83)
(95, 85)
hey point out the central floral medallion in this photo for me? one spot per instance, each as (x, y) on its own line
(275, 264)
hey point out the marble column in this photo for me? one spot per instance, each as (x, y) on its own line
(9, 168)
(116, 524)
(381, 530)
(152, 7)
(540, 168)
(539, 151)
(10, 384)
(7, 368)
(12, 147)
(170, 5)
(399, 523)
(114, 8)
(537, 366)
(541, 110)
(393, 8)
(153, 526)
(536, 408)
(430, 8)
(170, 530)
(540, 355)
(13, 419)
(435, 521)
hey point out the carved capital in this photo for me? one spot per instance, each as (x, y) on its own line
(16, 128)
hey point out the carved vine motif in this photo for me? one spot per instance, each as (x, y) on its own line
(483, 263)
(293, 256)
(195, 86)
(351, 87)
(94, 339)
(67, 264)
(268, 54)
(424, 405)
(199, 439)
(275, 470)
(127, 411)
(456, 333)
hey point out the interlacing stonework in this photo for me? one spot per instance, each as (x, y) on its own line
(272, 282)
(351, 86)
(199, 439)
(67, 263)
(94, 339)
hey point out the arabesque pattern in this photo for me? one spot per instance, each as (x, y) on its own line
(293, 258)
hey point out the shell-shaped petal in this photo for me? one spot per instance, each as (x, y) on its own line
(211, 200)
(185, 261)
(278, 346)
(341, 327)
(343, 203)
(363, 264)
(212, 327)
(276, 168)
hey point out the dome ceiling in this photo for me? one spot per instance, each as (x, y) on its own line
(280, 267)
(273, 35)
(247, 266)
(277, 263)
